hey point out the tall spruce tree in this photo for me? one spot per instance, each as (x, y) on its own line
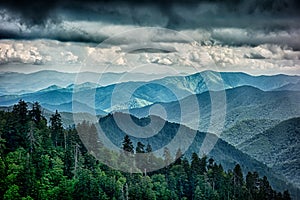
(127, 145)
(57, 134)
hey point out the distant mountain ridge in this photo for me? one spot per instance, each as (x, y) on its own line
(291, 87)
(242, 103)
(167, 89)
(19, 83)
(14, 83)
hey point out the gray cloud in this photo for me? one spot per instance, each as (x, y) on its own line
(229, 22)
(183, 57)
(239, 37)
(39, 12)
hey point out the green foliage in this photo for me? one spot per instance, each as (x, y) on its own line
(12, 193)
(142, 189)
(41, 162)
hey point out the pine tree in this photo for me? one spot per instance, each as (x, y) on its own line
(238, 181)
(196, 164)
(56, 129)
(18, 126)
(36, 113)
(140, 148)
(139, 157)
(127, 145)
(178, 157)
(286, 195)
(167, 157)
(265, 190)
(211, 162)
(203, 164)
(195, 170)
(252, 184)
(148, 148)
(20, 112)
(150, 162)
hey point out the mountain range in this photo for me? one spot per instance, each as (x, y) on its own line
(241, 103)
(180, 137)
(13, 83)
(124, 95)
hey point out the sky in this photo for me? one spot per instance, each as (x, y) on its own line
(151, 36)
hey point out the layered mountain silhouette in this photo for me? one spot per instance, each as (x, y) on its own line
(278, 147)
(126, 95)
(241, 103)
(175, 136)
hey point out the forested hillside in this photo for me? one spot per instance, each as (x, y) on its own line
(275, 145)
(40, 160)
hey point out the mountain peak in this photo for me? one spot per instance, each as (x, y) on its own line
(50, 88)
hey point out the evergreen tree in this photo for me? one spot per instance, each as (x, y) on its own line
(195, 170)
(56, 129)
(203, 164)
(140, 148)
(167, 157)
(265, 190)
(150, 162)
(127, 145)
(179, 181)
(36, 114)
(17, 126)
(20, 112)
(93, 143)
(139, 157)
(126, 158)
(211, 163)
(196, 164)
(178, 157)
(238, 181)
(148, 148)
(286, 195)
(252, 184)
(279, 196)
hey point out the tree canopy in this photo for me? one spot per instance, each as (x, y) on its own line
(40, 161)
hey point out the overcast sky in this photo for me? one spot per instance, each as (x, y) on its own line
(257, 37)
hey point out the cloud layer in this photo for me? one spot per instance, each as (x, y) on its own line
(183, 57)
(136, 11)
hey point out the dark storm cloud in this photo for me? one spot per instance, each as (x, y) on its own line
(43, 19)
(32, 12)
(38, 11)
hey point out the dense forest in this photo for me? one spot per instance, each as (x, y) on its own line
(44, 160)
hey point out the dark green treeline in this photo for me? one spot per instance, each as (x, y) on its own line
(46, 161)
